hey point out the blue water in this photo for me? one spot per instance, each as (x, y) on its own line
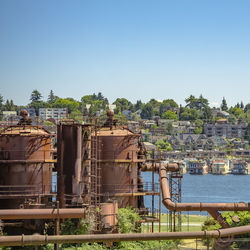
(208, 188)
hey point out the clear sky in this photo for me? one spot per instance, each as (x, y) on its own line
(137, 49)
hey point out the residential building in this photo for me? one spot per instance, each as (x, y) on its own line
(9, 114)
(127, 113)
(133, 126)
(55, 113)
(217, 112)
(31, 111)
(225, 129)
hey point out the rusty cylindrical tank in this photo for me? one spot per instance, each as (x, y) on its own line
(117, 154)
(25, 165)
(109, 213)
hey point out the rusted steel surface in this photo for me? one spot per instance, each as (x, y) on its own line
(118, 160)
(174, 206)
(170, 167)
(69, 161)
(24, 240)
(25, 159)
(109, 213)
(22, 214)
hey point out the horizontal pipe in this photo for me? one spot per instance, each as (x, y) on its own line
(22, 214)
(28, 161)
(170, 167)
(175, 206)
(59, 239)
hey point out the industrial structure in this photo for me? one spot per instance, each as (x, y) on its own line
(98, 169)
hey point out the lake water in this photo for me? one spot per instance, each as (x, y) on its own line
(207, 188)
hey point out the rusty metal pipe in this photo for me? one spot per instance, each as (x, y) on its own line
(170, 167)
(22, 214)
(175, 206)
(45, 239)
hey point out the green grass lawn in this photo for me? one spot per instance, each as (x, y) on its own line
(189, 223)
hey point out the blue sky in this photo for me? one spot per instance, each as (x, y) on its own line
(137, 49)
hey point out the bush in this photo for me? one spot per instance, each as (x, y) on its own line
(128, 221)
(243, 219)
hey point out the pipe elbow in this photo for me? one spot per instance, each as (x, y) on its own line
(169, 204)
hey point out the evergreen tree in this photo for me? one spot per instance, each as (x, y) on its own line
(147, 112)
(224, 105)
(36, 96)
(1, 102)
(51, 98)
(241, 105)
(138, 105)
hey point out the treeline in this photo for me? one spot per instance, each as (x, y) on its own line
(197, 109)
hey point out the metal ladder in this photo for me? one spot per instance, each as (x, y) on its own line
(95, 180)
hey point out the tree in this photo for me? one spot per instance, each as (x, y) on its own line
(1, 102)
(191, 102)
(35, 96)
(170, 115)
(247, 134)
(9, 105)
(247, 107)
(207, 114)
(97, 102)
(122, 104)
(234, 219)
(147, 112)
(224, 105)
(163, 145)
(189, 114)
(52, 98)
(69, 103)
(170, 103)
(196, 103)
(138, 105)
(169, 128)
(237, 111)
(198, 126)
(241, 105)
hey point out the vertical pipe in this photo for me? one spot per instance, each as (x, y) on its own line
(78, 162)
(57, 225)
(153, 189)
(60, 178)
(159, 211)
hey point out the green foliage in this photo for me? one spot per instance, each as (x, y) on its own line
(198, 126)
(147, 112)
(122, 104)
(52, 98)
(247, 107)
(76, 115)
(163, 145)
(48, 123)
(38, 104)
(87, 246)
(164, 244)
(35, 96)
(236, 111)
(247, 135)
(74, 227)
(139, 105)
(170, 103)
(244, 219)
(128, 221)
(189, 114)
(71, 227)
(170, 115)
(68, 103)
(97, 102)
(196, 103)
(224, 105)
